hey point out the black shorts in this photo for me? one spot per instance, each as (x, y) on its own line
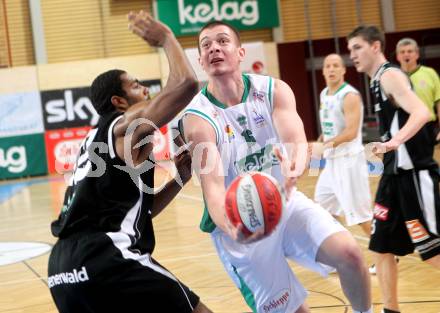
(87, 273)
(407, 214)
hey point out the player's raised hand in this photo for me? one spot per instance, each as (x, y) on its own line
(151, 30)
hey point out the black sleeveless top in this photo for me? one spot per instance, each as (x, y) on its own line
(417, 152)
(104, 196)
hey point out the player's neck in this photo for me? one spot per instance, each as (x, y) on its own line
(377, 63)
(334, 88)
(228, 89)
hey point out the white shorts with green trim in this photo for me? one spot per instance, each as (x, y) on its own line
(261, 271)
(343, 187)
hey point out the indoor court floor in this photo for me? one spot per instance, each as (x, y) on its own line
(28, 206)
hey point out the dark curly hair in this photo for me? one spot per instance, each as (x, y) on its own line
(104, 87)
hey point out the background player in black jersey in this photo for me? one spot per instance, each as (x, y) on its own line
(407, 209)
(102, 261)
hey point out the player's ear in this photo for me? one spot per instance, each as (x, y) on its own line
(376, 46)
(241, 53)
(120, 103)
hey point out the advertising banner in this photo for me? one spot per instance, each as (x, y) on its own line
(186, 17)
(62, 147)
(161, 148)
(70, 108)
(22, 156)
(20, 114)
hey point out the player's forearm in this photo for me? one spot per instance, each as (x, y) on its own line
(299, 151)
(165, 196)
(345, 136)
(415, 122)
(181, 71)
(215, 203)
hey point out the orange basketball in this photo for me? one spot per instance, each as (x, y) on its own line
(255, 201)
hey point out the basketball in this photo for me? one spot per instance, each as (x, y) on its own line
(255, 201)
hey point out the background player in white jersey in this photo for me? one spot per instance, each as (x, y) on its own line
(241, 118)
(343, 184)
(407, 209)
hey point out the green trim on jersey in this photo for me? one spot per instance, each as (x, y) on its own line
(339, 89)
(206, 224)
(270, 93)
(246, 292)
(213, 100)
(209, 119)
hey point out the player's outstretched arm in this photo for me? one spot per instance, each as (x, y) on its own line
(177, 93)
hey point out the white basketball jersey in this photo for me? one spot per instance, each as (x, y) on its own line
(332, 119)
(245, 133)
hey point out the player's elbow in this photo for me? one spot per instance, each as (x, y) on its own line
(350, 134)
(189, 87)
(425, 115)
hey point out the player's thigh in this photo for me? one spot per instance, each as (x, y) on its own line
(306, 228)
(261, 272)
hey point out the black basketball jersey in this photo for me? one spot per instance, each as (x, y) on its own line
(104, 196)
(417, 152)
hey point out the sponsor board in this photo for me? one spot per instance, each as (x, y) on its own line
(186, 17)
(161, 148)
(70, 108)
(20, 114)
(62, 147)
(22, 156)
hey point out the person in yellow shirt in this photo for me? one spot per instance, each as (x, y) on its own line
(425, 80)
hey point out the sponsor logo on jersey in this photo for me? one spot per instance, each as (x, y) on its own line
(416, 230)
(230, 132)
(73, 277)
(258, 96)
(242, 120)
(380, 212)
(259, 119)
(257, 161)
(278, 303)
